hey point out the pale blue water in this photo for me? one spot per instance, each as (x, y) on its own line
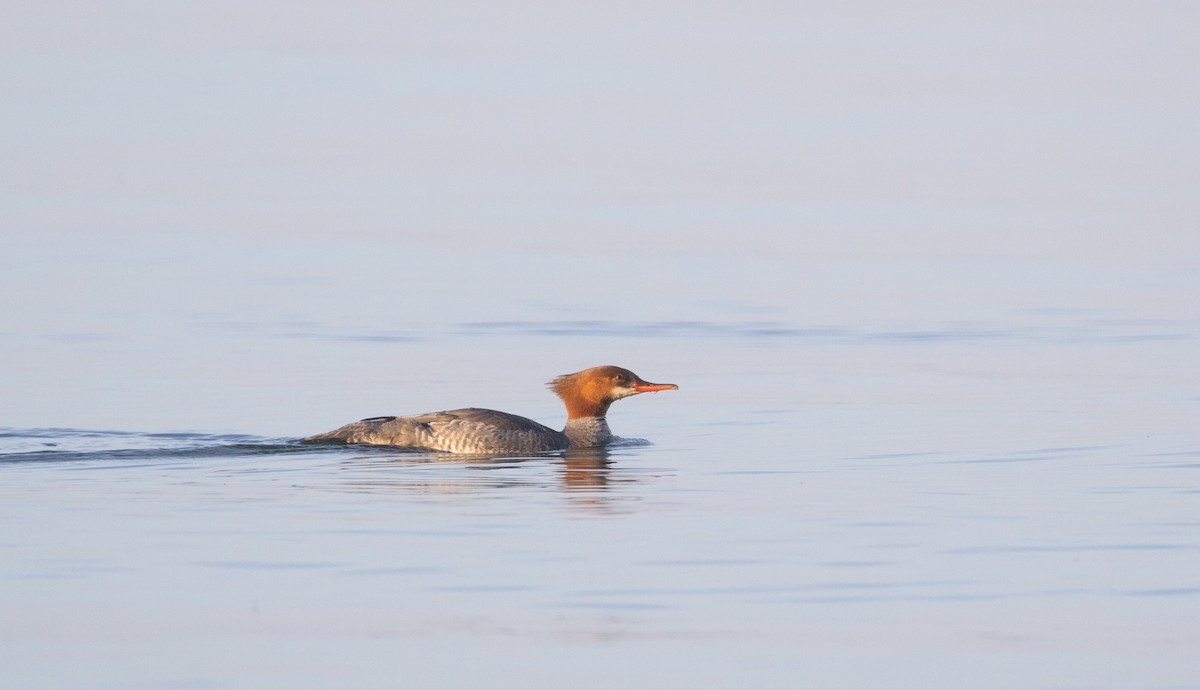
(928, 282)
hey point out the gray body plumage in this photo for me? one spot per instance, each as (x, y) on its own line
(586, 394)
(469, 430)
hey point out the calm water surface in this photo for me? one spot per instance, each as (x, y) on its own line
(943, 504)
(928, 279)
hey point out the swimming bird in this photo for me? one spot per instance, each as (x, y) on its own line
(587, 395)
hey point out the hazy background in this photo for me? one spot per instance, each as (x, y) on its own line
(171, 168)
(927, 274)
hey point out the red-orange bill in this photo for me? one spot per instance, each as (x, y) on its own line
(655, 387)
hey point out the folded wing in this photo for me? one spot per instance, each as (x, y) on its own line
(469, 430)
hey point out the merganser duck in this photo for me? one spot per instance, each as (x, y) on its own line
(586, 394)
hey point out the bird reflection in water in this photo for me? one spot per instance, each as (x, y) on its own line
(586, 476)
(585, 469)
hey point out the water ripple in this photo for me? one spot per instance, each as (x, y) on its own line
(1081, 331)
(81, 445)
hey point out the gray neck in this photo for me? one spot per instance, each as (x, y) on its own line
(586, 432)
